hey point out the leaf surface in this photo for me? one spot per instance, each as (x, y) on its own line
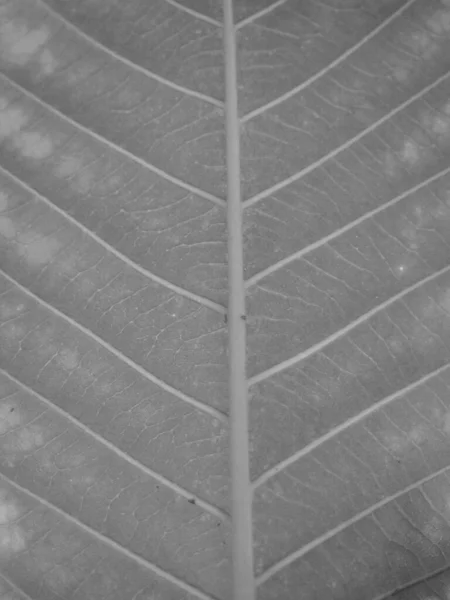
(115, 350)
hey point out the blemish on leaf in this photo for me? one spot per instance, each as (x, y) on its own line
(47, 62)
(12, 119)
(12, 332)
(12, 538)
(422, 44)
(26, 439)
(37, 249)
(9, 311)
(19, 43)
(59, 578)
(390, 164)
(400, 73)
(32, 144)
(446, 426)
(439, 22)
(68, 359)
(403, 442)
(3, 202)
(7, 229)
(410, 152)
(9, 419)
(67, 166)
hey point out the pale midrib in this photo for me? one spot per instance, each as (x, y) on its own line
(330, 66)
(293, 556)
(243, 584)
(107, 541)
(112, 145)
(293, 458)
(118, 354)
(344, 330)
(110, 249)
(106, 50)
(206, 506)
(282, 184)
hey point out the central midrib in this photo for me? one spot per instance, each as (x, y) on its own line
(241, 490)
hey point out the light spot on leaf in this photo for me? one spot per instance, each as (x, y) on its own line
(37, 249)
(403, 442)
(20, 438)
(25, 440)
(390, 164)
(437, 124)
(10, 417)
(422, 339)
(446, 427)
(412, 238)
(83, 181)
(79, 72)
(19, 43)
(433, 530)
(33, 144)
(444, 301)
(12, 119)
(12, 538)
(67, 166)
(410, 152)
(68, 359)
(58, 578)
(7, 229)
(9, 311)
(81, 178)
(439, 22)
(48, 62)
(404, 266)
(400, 73)
(396, 345)
(422, 44)
(12, 332)
(3, 202)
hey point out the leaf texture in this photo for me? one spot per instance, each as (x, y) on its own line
(115, 472)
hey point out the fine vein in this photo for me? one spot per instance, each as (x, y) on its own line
(110, 542)
(194, 13)
(287, 560)
(214, 510)
(112, 250)
(325, 70)
(335, 234)
(346, 425)
(289, 362)
(347, 144)
(118, 354)
(113, 146)
(93, 42)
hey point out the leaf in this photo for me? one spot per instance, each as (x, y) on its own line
(141, 402)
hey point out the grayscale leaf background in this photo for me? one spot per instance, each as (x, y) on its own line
(114, 476)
